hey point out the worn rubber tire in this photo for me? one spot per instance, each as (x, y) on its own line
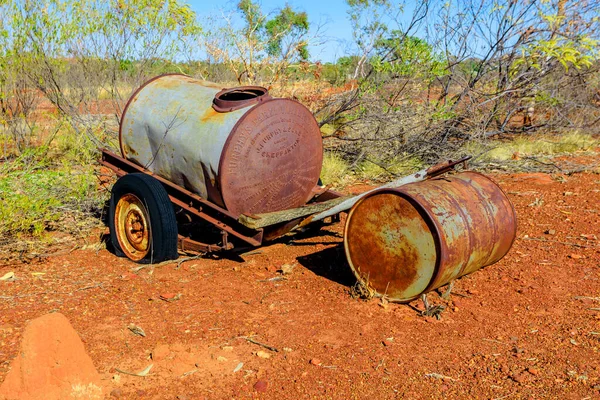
(160, 212)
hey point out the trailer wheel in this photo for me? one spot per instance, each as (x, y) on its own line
(142, 220)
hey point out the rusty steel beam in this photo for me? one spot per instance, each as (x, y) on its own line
(188, 245)
(189, 201)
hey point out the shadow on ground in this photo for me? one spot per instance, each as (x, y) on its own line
(331, 264)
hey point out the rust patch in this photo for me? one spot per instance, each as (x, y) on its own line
(467, 216)
(213, 116)
(272, 159)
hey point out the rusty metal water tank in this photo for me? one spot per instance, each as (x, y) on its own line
(239, 148)
(407, 241)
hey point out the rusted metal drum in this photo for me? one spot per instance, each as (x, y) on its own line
(239, 148)
(407, 241)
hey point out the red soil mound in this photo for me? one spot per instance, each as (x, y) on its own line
(51, 364)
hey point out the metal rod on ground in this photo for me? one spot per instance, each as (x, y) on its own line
(416, 177)
(347, 204)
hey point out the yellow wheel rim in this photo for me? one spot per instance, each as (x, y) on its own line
(132, 227)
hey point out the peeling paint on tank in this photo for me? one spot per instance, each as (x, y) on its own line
(172, 119)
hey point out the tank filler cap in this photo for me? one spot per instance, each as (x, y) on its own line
(239, 97)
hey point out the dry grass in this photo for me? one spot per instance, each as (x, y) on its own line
(401, 165)
(336, 171)
(538, 145)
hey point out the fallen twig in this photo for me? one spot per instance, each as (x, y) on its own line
(90, 287)
(274, 279)
(168, 262)
(58, 253)
(188, 259)
(266, 346)
(440, 376)
(586, 298)
(140, 374)
(550, 164)
(251, 253)
(503, 397)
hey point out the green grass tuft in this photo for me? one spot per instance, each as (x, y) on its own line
(335, 171)
(36, 199)
(48, 185)
(402, 165)
(524, 146)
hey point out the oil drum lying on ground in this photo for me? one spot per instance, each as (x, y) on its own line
(407, 241)
(239, 148)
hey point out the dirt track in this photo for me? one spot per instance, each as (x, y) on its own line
(527, 327)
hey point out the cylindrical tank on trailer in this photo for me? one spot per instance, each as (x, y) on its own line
(407, 241)
(239, 148)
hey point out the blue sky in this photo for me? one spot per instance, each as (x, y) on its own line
(333, 12)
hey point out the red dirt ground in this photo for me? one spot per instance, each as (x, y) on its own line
(526, 327)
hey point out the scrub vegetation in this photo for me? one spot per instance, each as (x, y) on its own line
(513, 83)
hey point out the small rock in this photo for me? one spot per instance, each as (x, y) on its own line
(287, 269)
(136, 330)
(116, 393)
(182, 397)
(170, 296)
(263, 354)
(238, 367)
(261, 386)
(116, 379)
(221, 359)
(519, 378)
(287, 350)
(227, 348)
(8, 277)
(550, 232)
(315, 361)
(575, 256)
(533, 371)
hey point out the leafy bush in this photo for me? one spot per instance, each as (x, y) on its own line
(37, 195)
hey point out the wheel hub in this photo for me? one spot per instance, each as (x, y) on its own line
(132, 226)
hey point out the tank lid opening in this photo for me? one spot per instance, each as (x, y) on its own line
(239, 97)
